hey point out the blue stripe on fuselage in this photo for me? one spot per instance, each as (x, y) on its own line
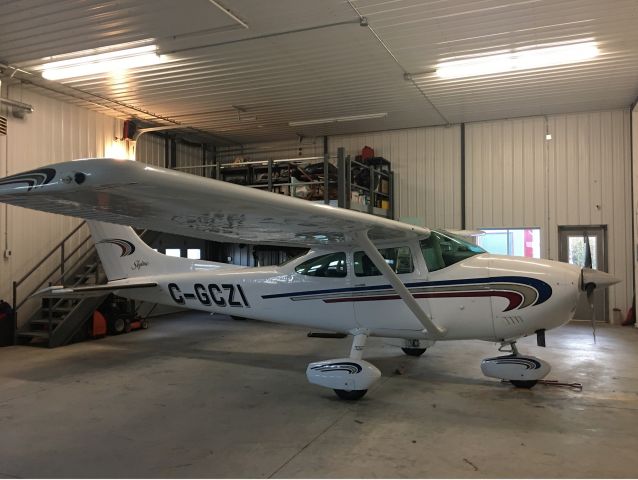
(544, 290)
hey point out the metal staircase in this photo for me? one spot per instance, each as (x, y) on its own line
(73, 261)
(58, 320)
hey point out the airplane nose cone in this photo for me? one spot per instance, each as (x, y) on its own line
(597, 278)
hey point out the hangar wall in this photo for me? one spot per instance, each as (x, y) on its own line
(634, 157)
(514, 177)
(55, 132)
(190, 156)
(582, 176)
(306, 147)
(427, 168)
(151, 149)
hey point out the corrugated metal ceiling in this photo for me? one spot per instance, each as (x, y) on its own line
(327, 65)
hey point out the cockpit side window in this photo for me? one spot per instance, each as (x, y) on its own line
(398, 258)
(331, 265)
(442, 249)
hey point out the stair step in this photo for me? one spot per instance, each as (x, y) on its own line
(61, 301)
(45, 321)
(34, 334)
(58, 309)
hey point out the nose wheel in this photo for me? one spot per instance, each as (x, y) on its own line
(350, 395)
(526, 384)
(413, 352)
(522, 371)
(415, 347)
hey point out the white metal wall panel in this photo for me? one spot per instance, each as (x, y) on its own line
(55, 132)
(634, 156)
(151, 149)
(427, 168)
(505, 178)
(517, 178)
(590, 167)
(189, 156)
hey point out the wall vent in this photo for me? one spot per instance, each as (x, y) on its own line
(3, 125)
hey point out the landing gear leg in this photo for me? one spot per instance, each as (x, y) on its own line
(527, 384)
(356, 353)
(520, 370)
(349, 377)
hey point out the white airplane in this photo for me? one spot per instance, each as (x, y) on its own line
(363, 275)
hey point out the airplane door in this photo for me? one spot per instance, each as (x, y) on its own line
(376, 305)
(456, 294)
(462, 310)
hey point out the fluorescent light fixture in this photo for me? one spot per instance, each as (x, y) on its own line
(518, 60)
(111, 62)
(352, 118)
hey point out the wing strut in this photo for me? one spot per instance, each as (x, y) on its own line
(371, 251)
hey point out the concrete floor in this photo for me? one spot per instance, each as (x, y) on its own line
(201, 396)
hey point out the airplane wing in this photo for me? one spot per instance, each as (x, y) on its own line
(131, 193)
(465, 233)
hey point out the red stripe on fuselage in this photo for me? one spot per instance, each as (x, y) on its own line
(515, 299)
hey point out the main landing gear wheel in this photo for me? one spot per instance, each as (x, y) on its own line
(349, 377)
(413, 352)
(350, 394)
(524, 383)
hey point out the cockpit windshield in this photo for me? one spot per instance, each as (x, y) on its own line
(442, 249)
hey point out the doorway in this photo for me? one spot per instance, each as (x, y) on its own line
(572, 242)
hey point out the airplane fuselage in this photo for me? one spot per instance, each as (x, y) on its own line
(488, 297)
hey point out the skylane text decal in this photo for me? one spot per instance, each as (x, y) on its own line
(224, 295)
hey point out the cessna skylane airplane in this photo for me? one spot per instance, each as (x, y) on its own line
(362, 275)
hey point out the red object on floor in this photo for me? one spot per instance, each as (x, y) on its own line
(630, 319)
(98, 326)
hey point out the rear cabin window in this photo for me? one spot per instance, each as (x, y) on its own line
(331, 265)
(442, 249)
(399, 259)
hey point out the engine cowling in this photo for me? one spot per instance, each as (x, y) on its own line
(343, 374)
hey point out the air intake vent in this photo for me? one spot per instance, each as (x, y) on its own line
(3, 125)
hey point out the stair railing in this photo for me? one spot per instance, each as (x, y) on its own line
(62, 251)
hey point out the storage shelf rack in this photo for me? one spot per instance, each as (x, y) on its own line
(347, 184)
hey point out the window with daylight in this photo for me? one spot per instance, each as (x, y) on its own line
(331, 265)
(194, 253)
(442, 249)
(519, 242)
(174, 252)
(398, 258)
